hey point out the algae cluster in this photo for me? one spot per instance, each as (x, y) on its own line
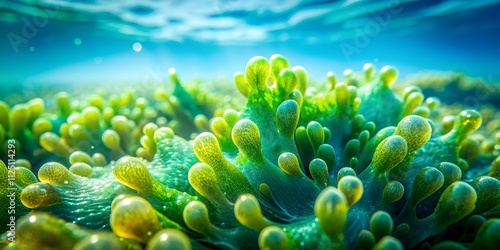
(350, 165)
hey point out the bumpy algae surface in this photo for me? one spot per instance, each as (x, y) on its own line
(353, 164)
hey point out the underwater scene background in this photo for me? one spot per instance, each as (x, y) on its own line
(227, 124)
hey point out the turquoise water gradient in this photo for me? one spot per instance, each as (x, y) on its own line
(81, 42)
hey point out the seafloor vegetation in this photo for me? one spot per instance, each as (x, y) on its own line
(351, 164)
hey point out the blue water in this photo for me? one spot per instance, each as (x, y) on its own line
(113, 41)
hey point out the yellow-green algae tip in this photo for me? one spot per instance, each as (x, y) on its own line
(356, 164)
(134, 218)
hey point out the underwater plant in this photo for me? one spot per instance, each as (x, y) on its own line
(349, 165)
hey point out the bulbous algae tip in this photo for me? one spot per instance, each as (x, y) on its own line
(354, 164)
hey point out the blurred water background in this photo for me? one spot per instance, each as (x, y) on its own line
(125, 41)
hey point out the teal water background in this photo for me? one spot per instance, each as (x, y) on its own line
(112, 41)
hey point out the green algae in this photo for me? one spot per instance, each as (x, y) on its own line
(353, 167)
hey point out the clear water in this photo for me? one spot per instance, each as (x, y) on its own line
(103, 41)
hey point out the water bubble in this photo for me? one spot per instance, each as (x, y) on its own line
(137, 46)
(77, 41)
